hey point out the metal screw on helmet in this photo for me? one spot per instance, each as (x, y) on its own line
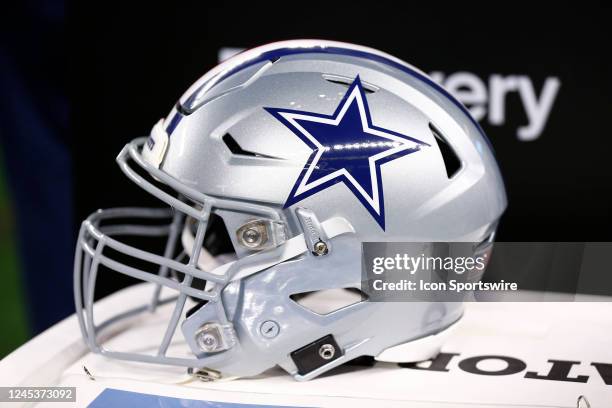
(208, 338)
(327, 351)
(207, 342)
(269, 329)
(320, 248)
(253, 235)
(213, 337)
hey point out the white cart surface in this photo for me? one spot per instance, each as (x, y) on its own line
(502, 355)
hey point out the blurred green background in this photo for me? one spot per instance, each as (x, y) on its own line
(14, 329)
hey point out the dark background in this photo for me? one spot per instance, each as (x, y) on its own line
(129, 68)
(77, 83)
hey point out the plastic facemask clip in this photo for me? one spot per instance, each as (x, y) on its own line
(154, 150)
(314, 234)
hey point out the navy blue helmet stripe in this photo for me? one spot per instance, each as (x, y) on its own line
(282, 52)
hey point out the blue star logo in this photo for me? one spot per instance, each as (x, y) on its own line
(346, 147)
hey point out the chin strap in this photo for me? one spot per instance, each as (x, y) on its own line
(418, 350)
(257, 262)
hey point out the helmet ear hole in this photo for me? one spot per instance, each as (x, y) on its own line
(195, 308)
(452, 162)
(237, 150)
(326, 301)
(217, 249)
(217, 240)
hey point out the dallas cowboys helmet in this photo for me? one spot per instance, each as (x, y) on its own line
(295, 153)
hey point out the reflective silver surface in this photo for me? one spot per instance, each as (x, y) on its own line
(421, 204)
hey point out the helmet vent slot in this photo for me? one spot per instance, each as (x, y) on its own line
(452, 163)
(237, 150)
(346, 81)
(327, 301)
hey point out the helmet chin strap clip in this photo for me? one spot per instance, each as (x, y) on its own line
(204, 374)
(316, 239)
(316, 354)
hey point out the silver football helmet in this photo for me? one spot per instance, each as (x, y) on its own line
(300, 151)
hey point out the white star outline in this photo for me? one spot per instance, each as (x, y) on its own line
(400, 144)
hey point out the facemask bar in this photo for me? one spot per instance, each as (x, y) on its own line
(94, 238)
